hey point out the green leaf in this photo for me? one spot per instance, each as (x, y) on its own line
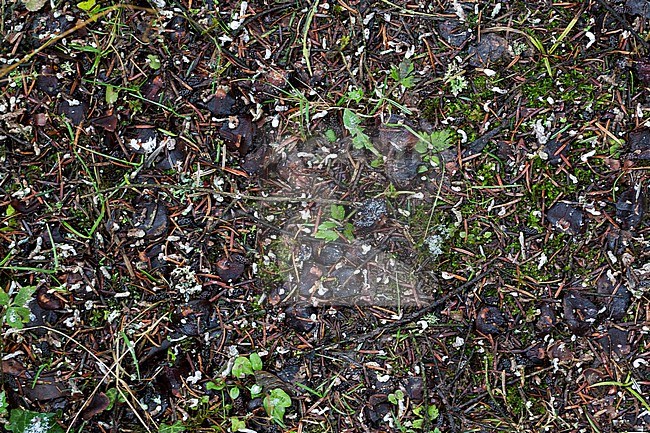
(328, 235)
(241, 367)
(433, 412)
(392, 399)
(111, 95)
(351, 121)
(21, 421)
(34, 5)
(355, 95)
(440, 140)
(4, 298)
(338, 212)
(418, 423)
(236, 424)
(256, 361)
(276, 404)
(348, 231)
(361, 141)
(256, 391)
(87, 5)
(215, 385)
(422, 147)
(154, 61)
(16, 317)
(330, 135)
(24, 295)
(3, 405)
(234, 393)
(177, 427)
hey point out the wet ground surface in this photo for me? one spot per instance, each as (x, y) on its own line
(324, 217)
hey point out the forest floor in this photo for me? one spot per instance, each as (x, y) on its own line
(324, 216)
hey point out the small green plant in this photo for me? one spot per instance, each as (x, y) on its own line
(15, 312)
(455, 77)
(4, 406)
(177, 427)
(154, 62)
(336, 226)
(26, 421)
(352, 123)
(276, 403)
(403, 74)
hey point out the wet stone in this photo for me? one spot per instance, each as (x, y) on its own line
(490, 49)
(231, 268)
(536, 354)
(547, 320)
(490, 321)
(151, 219)
(74, 110)
(615, 341)
(402, 167)
(452, 31)
(345, 285)
(639, 143)
(556, 150)
(330, 254)
(98, 404)
(638, 7)
(47, 81)
(579, 312)
(615, 296)
(221, 104)
(565, 218)
(299, 317)
(370, 212)
(629, 208)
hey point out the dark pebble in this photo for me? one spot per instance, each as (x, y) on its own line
(490, 321)
(579, 312)
(547, 320)
(566, 218)
(298, 317)
(230, 268)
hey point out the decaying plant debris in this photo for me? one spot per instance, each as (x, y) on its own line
(324, 216)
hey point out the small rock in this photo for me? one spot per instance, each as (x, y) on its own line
(556, 150)
(330, 254)
(560, 351)
(490, 49)
(639, 141)
(47, 81)
(629, 208)
(536, 354)
(74, 110)
(414, 387)
(402, 167)
(547, 320)
(490, 321)
(238, 134)
(579, 312)
(452, 31)
(638, 7)
(47, 300)
(615, 341)
(345, 285)
(616, 296)
(231, 268)
(98, 404)
(565, 218)
(151, 218)
(299, 317)
(221, 104)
